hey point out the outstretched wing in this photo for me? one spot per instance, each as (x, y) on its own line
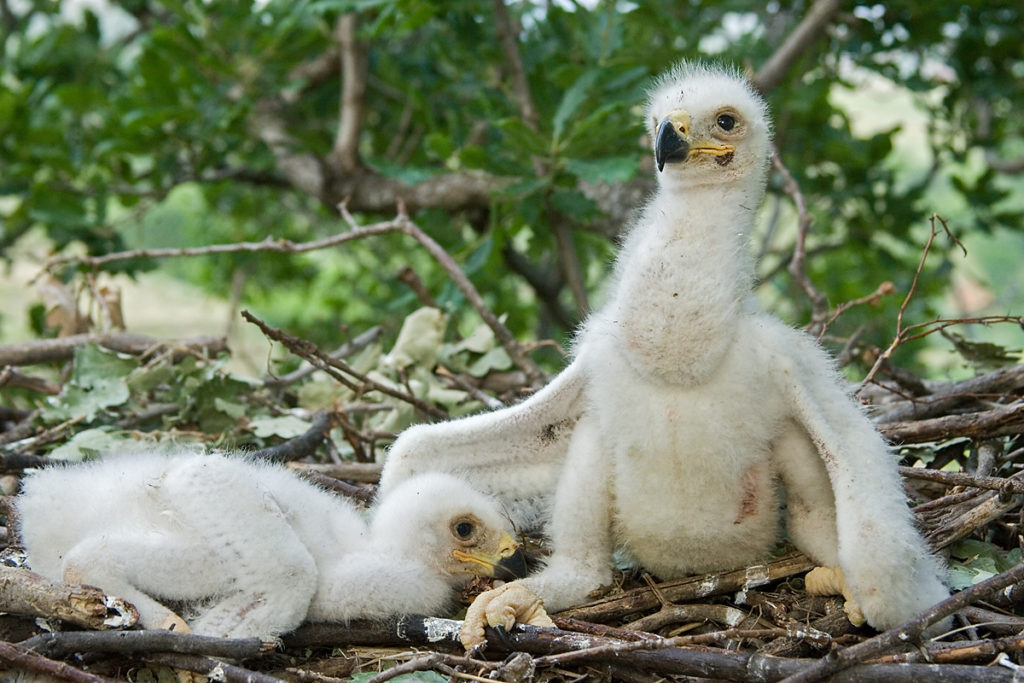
(515, 453)
(888, 566)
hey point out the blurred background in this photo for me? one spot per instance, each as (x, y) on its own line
(513, 132)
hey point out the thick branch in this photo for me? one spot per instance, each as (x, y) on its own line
(63, 348)
(345, 153)
(509, 45)
(63, 643)
(1001, 421)
(772, 73)
(27, 593)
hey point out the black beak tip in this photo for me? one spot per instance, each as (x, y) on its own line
(669, 145)
(512, 567)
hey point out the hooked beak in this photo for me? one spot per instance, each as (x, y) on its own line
(507, 563)
(673, 142)
(670, 145)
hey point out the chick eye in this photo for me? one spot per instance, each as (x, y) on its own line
(463, 529)
(726, 121)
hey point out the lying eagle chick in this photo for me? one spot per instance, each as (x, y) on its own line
(252, 550)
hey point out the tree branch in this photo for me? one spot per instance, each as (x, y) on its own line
(772, 72)
(509, 45)
(28, 593)
(27, 660)
(63, 348)
(344, 155)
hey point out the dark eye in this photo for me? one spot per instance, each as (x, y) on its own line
(463, 529)
(726, 121)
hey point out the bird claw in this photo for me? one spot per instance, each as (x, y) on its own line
(504, 606)
(832, 581)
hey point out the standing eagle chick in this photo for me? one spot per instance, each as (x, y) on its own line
(690, 418)
(249, 549)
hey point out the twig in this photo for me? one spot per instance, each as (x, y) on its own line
(819, 303)
(270, 244)
(803, 36)
(63, 643)
(946, 396)
(962, 479)
(504, 336)
(433, 661)
(14, 462)
(27, 593)
(644, 598)
(988, 423)
(11, 377)
(364, 472)
(63, 348)
(27, 660)
(871, 299)
(302, 445)
(335, 367)
(211, 668)
(343, 351)
(363, 494)
(902, 335)
(908, 632)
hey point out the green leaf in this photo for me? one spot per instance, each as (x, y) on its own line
(572, 99)
(86, 445)
(284, 426)
(609, 169)
(98, 381)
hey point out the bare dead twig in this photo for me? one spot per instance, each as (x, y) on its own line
(12, 377)
(364, 472)
(1006, 484)
(819, 304)
(26, 660)
(362, 494)
(338, 369)
(343, 351)
(901, 334)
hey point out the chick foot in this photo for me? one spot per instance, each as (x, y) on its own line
(832, 581)
(504, 606)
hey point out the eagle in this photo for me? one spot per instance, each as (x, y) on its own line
(247, 548)
(691, 426)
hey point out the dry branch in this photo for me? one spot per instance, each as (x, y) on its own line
(803, 36)
(338, 369)
(1000, 421)
(27, 660)
(364, 472)
(61, 644)
(63, 348)
(24, 592)
(645, 598)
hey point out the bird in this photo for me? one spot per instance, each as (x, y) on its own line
(247, 548)
(691, 426)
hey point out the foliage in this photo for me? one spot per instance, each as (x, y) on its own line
(149, 135)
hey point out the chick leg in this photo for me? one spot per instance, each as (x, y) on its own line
(580, 534)
(272, 574)
(133, 567)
